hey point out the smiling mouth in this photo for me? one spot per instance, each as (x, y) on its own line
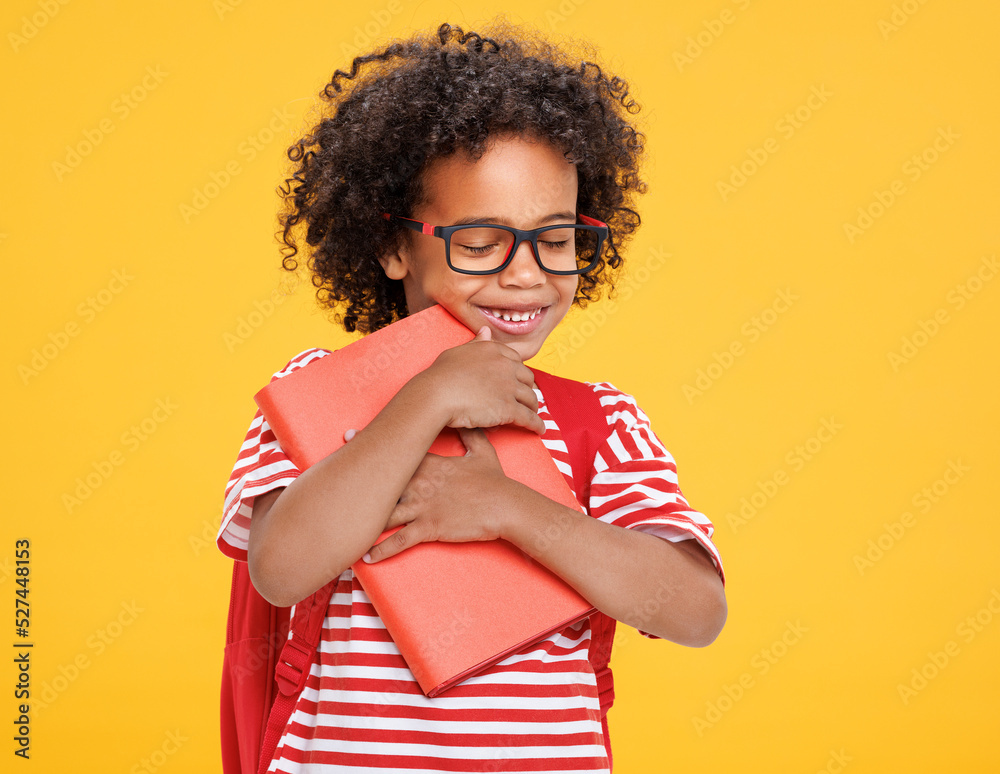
(511, 315)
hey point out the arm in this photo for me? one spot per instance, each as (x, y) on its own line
(671, 590)
(308, 533)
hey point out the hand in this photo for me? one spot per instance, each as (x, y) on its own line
(482, 384)
(451, 499)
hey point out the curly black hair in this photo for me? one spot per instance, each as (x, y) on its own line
(426, 98)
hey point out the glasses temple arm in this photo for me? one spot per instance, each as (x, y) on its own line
(413, 225)
(591, 221)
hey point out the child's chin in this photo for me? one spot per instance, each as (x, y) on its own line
(525, 349)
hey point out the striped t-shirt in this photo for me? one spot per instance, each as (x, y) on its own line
(536, 711)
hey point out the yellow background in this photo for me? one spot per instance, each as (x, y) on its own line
(128, 594)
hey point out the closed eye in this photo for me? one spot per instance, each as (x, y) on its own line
(478, 249)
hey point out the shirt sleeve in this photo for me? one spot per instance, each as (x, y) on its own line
(261, 467)
(634, 483)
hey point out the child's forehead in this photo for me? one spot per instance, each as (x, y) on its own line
(513, 174)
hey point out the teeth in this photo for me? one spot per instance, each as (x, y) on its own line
(516, 316)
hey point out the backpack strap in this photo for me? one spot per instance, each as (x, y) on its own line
(255, 633)
(578, 412)
(294, 663)
(576, 409)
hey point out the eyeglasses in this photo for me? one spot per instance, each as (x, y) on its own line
(486, 248)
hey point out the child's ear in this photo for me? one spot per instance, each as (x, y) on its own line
(395, 263)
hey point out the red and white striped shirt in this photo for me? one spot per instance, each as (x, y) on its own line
(536, 711)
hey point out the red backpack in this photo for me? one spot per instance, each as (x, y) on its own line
(264, 670)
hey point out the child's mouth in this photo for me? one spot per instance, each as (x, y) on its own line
(514, 316)
(515, 321)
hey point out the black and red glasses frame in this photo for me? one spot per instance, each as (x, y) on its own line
(599, 229)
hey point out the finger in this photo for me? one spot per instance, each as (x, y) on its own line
(403, 513)
(525, 375)
(528, 419)
(428, 469)
(475, 441)
(484, 334)
(510, 353)
(526, 397)
(396, 542)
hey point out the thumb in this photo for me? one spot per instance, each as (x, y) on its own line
(475, 440)
(391, 545)
(484, 334)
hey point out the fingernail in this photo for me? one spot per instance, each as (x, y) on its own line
(367, 558)
(350, 434)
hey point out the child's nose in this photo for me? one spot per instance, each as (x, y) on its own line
(523, 270)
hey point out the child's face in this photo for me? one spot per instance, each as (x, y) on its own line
(518, 183)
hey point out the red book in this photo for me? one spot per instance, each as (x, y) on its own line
(452, 609)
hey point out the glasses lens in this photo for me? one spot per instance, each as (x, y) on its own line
(480, 248)
(567, 249)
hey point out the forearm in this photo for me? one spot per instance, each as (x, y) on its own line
(334, 512)
(667, 589)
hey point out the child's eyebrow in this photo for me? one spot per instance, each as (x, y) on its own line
(556, 217)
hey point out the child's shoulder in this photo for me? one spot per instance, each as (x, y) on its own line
(617, 405)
